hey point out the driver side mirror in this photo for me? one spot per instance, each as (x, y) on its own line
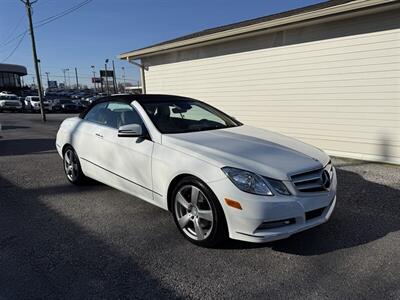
(130, 130)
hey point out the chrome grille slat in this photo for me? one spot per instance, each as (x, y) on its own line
(307, 179)
(311, 181)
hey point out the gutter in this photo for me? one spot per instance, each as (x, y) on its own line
(252, 29)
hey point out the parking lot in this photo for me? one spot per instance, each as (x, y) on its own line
(62, 241)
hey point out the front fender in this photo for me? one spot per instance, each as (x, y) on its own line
(168, 163)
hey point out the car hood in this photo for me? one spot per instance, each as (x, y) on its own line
(262, 151)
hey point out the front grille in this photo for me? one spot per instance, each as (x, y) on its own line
(314, 213)
(315, 180)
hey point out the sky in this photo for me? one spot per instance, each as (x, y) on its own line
(103, 29)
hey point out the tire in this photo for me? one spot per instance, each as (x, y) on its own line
(201, 221)
(73, 171)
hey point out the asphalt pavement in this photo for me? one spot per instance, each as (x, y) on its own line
(60, 241)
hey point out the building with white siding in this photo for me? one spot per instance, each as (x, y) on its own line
(327, 74)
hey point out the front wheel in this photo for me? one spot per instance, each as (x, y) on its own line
(198, 213)
(72, 167)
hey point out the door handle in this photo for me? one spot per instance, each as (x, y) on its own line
(99, 135)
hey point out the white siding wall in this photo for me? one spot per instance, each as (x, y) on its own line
(340, 94)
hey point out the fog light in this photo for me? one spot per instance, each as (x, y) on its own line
(276, 224)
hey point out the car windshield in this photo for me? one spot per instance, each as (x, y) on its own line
(186, 116)
(8, 97)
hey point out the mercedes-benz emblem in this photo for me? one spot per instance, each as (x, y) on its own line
(325, 179)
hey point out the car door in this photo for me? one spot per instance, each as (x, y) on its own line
(86, 141)
(126, 159)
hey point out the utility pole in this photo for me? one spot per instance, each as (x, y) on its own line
(76, 77)
(28, 6)
(106, 75)
(114, 80)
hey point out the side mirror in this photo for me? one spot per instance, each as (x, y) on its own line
(130, 130)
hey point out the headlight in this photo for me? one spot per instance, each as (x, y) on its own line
(2, 103)
(247, 181)
(255, 184)
(278, 186)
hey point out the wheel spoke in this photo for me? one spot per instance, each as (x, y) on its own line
(73, 172)
(194, 195)
(68, 157)
(184, 220)
(205, 215)
(199, 230)
(182, 200)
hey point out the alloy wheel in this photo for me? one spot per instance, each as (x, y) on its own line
(193, 212)
(71, 165)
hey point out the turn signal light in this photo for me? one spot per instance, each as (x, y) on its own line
(233, 203)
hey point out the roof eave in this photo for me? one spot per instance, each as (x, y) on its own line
(295, 19)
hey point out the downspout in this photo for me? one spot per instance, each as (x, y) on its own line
(143, 68)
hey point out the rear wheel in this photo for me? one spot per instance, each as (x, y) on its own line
(198, 213)
(72, 167)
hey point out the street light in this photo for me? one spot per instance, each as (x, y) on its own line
(123, 77)
(106, 76)
(48, 80)
(94, 79)
(65, 78)
(69, 79)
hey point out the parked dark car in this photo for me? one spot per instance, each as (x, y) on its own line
(69, 106)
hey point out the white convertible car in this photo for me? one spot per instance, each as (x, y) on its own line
(218, 177)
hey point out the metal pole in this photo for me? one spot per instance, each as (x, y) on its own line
(35, 59)
(76, 77)
(114, 79)
(106, 75)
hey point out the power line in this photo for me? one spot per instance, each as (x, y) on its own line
(16, 47)
(15, 28)
(62, 14)
(49, 20)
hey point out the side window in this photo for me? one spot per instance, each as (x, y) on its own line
(113, 114)
(94, 115)
(124, 114)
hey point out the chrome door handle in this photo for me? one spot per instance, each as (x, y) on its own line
(99, 135)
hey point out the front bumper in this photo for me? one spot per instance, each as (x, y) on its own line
(265, 219)
(11, 107)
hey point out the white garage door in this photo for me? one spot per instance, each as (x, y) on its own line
(341, 94)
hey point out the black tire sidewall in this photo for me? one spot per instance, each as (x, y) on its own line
(219, 232)
(80, 178)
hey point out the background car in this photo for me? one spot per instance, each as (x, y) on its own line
(89, 100)
(68, 105)
(32, 103)
(10, 102)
